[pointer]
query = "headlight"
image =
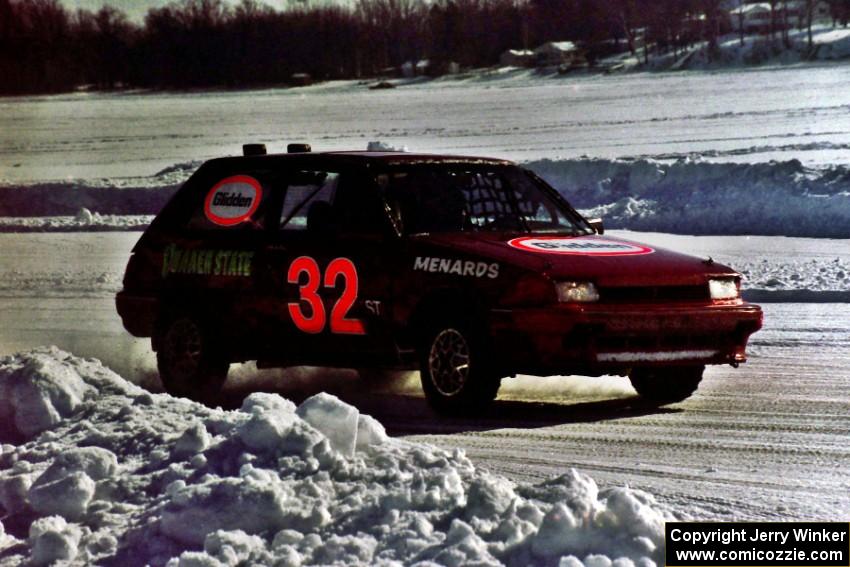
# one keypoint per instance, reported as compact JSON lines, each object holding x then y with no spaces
{"x":576,"y":292}
{"x":723,"y":289}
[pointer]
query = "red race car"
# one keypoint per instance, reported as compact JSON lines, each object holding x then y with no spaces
{"x":469,"y":269}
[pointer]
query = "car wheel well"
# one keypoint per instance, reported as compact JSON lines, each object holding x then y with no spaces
{"x":441,"y":303}
{"x":458,"y":372}
{"x":171,"y":308}
{"x":190,"y":361}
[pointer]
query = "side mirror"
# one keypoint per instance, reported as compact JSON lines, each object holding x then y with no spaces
{"x":596,"y":224}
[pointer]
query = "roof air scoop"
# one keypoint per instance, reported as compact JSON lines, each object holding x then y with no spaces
{"x":253,"y":149}
{"x":298,"y":148}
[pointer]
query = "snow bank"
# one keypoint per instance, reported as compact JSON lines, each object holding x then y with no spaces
{"x":107,"y":473}
{"x":115,"y":196}
{"x":691,"y":196}
{"x":83,"y":221}
{"x":688,"y":196}
{"x":379,"y":146}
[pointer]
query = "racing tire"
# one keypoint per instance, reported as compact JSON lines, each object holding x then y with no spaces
{"x":190,"y":363}
{"x":666,"y":384}
{"x":455,"y":368}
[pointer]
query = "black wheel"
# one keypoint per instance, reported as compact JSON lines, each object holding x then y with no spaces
{"x":666,"y":384}
{"x":189,"y":362}
{"x":454,"y":368}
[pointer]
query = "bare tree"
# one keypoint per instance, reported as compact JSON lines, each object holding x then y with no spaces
{"x":713,"y":10}
{"x":627,"y":16}
{"x":786,"y":26}
{"x":809,"y":17}
{"x":740,"y":15}
{"x":772,"y":27}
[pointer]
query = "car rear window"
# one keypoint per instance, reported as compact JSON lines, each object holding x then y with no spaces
{"x":307,"y":191}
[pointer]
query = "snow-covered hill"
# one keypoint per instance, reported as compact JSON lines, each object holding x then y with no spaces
{"x":828,"y":44}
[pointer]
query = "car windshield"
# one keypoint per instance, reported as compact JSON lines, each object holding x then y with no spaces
{"x":474,"y":199}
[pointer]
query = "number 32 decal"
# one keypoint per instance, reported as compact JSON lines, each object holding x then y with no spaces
{"x":314,"y":323}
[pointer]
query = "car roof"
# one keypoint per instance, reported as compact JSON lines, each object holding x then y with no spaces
{"x":406,"y":157}
{"x":356,"y":158}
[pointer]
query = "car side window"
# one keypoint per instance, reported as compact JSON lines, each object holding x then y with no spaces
{"x":475,"y":198}
{"x":308,"y":200}
{"x":487,"y":199}
{"x":232,"y":202}
{"x":359,"y":207}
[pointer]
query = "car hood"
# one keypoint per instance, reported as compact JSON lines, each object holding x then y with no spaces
{"x":605,"y":260}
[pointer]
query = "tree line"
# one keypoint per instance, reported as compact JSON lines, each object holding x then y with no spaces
{"x":44,"y":47}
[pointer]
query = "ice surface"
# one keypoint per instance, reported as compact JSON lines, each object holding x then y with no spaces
{"x":742,"y":115}
{"x":127,"y":477}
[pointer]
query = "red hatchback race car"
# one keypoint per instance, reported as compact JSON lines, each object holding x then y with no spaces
{"x":469,"y":269}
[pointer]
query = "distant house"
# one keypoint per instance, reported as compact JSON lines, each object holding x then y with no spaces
{"x":822,"y":13}
{"x":755,"y":16}
{"x":555,"y":53}
{"x":426,"y":67}
{"x":517,"y":58}
{"x":423,"y":67}
{"x":300,"y":79}
{"x":751,"y":17}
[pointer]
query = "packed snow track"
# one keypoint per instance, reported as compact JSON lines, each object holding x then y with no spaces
{"x":767,"y":441}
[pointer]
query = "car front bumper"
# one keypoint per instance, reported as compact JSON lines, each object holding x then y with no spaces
{"x":605,"y":338}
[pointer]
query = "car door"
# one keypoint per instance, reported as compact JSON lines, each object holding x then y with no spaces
{"x":208,"y":266}
{"x":325,"y":279}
